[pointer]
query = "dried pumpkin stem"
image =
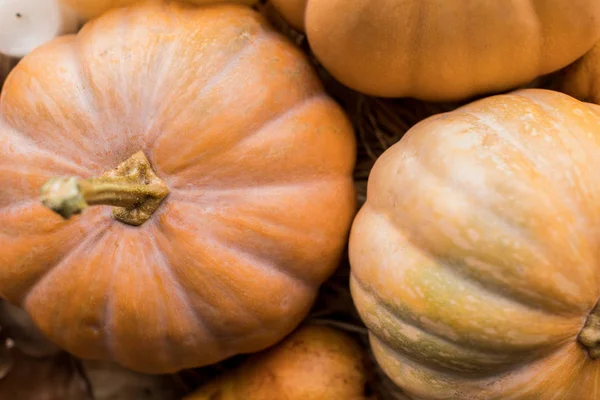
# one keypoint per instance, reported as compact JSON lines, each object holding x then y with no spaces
{"x":589,"y":336}
{"x":132,"y":188}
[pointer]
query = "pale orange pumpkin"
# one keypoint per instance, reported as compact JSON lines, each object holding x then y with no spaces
{"x":214,"y":110}
{"x":313,"y":363}
{"x":443,"y":50}
{"x":475,"y":258}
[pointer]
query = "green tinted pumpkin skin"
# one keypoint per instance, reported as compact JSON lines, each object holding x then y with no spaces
{"x":444,"y":50}
{"x":474,"y":260}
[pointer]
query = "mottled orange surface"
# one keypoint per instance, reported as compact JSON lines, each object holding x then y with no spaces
{"x":259,"y":165}
{"x":313,"y":363}
{"x":475,"y":260}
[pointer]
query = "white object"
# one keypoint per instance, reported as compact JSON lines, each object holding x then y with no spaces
{"x":27,"y":24}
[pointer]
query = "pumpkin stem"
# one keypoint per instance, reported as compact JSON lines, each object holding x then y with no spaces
{"x":589,"y":336}
{"x":132,"y":188}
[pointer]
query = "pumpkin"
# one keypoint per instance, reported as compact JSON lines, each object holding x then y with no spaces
{"x":582,"y":78}
{"x":444,"y":51}
{"x":88,"y":9}
{"x":203,"y":180}
{"x":315,"y":362}
{"x":474,"y":258}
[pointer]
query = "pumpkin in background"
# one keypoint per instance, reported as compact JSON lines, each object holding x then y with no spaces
{"x":228,"y":168}
{"x":475,"y":260}
{"x":444,"y":50}
{"x":87,"y":9}
{"x":582,"y":78}
{"x":315,"y":362}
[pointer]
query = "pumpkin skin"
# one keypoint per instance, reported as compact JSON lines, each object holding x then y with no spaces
{"x":582,"y":78}
{"x":474,"y":258}
{"x":257,"y":158}
{"x":88,"y":9}
{"x":445,"y":50}
{"x":314,"y":362}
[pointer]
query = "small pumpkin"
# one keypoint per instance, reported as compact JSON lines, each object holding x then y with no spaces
{"x":582,"y":78}
{"x":474,"y":261}
{"x":443,"y":51}
{"x":315,"y":362}
{"x":229,"y":173}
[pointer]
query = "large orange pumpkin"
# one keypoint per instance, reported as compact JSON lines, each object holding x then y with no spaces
{"x":444,"y":50}
{"x":475,"y":258}
{"x":210,"y":108}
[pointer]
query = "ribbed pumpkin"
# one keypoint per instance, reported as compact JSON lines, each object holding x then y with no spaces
{"x":444,"y":50}
{"x":475,"y":260}
{"x":229,"y":172}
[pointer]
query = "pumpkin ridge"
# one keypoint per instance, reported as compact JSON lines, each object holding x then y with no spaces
{"x":497,"y":287}
{"x":268,"y":264}
{"x":448,"y":384}
{"x":579,"y":209}
{"x":176,"y":280}
{"x":92,"y":237}
{"x":430,"y":347}
{"x":459,"y":340}
{"x":111,"y":336}
{"x":210,"y":84}
{"x":516,"y":384}
{"x":197,"y":319}
{"x":28,"y":142}
{"x":272,"y":120}
{"x":88,"y":89}
{"x":92,"y":231}
{"x":543,"y":176}
{"x":474,"y":374}
{"x":192,"y":195}
{"x":222,"y":287}
{"x":562,"y":124}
